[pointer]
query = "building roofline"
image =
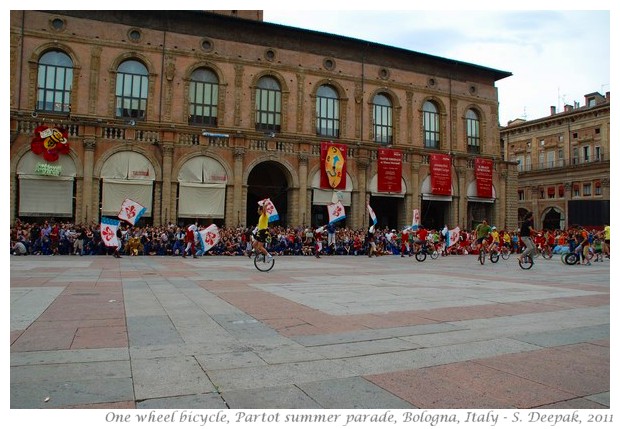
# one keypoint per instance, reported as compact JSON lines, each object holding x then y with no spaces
{"x":288,"y":37}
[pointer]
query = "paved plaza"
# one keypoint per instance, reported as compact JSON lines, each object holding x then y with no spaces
{"x":339,"y":332}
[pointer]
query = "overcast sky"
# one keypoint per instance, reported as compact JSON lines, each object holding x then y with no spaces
{"x":555,"y":56}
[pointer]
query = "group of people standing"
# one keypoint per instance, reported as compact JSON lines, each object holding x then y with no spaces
{"x":56,"y":238}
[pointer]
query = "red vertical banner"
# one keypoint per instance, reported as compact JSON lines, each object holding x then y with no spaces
{"x":441,"y":174}
{"x":389,"y":170}
{"x":484,"y":177}
{"x":334,"y":161}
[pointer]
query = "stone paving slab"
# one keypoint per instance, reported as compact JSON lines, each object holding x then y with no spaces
{"x":333,"y":333}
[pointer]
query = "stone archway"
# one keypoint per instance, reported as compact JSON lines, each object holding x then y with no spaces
{"x":553,"y":219}
{"x":268,"y":180}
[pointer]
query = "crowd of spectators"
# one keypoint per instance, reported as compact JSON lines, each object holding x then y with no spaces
{"x":64,"y":238}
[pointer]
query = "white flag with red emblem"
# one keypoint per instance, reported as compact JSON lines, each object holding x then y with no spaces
{"x":209,"y":236}
{"x":270,"y":209}
{"x":454,"y":235}
{"x":108,"y":231}
{"x":131,"y":211}
{"x":336,"y":212}
{"x":416,"y":220}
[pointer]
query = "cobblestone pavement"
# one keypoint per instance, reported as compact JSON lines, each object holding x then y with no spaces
{"x":337,"y":332}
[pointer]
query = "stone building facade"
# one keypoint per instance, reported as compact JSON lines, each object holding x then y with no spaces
{"x":563,"y":164}
{"x":199,"y":115}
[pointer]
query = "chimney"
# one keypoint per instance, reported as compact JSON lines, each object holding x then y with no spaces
{"x":568,"y":108}
{"x":607,"y":96}
{"x":552,"y":110}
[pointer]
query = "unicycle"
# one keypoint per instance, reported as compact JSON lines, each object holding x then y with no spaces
{"x":482,"y":256}
{"x":526,"y":263}
{"x":262,"y":263}
{"x":494,"y":256}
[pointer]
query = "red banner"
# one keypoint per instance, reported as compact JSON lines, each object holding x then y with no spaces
{"x":441,"y":174}
{"x":334,"y":161}
{"x":484,"y":177}
{"x":389,"y":170}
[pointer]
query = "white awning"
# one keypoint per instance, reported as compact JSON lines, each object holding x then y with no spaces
{"x":202,"y":200}
{"x":128,"y":165}
{"x":115,"y":191}
{"x":45,"y":196}
{"x":202,"y":188}
{"x":323,"y":197}
{"x":130,"y":175}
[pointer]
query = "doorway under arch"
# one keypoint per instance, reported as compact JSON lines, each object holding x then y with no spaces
{"x":268,"y":179}
{"x":552,"y":219}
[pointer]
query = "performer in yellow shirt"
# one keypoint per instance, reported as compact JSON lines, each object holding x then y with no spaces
{"x":262,"y":231}
{"x":494,"y":240}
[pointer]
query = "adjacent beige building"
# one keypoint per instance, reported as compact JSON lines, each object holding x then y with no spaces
{"x":198,"y":115}
{"x":563,"y":163}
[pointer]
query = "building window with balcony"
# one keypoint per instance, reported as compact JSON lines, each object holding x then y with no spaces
{"x":268,"y":105}
{"x":382,"y":119}
{"x":541,"y":159}
{"x":575,"y":156}
{"x":586,"y":154}
{"x":473,"y":131}
{"x":131,"y":90}
{"x":597,"y":188}
{"x":54,"y":82}
{"x":430,"y":121}
{"x":598,"y":153}
{"x":561,"y":191}
{"x":203,"y":97}
{"x":576,"y":190}
{"x":551,"y":192}
{"x":327,"y":112}
{"x":551,"y":159}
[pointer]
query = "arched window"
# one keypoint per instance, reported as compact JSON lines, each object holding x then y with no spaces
{"x":327,"y":112}
{"x":473,"y":131}
{"x":131,"y":90}
{"x":382,"y":119}
{"x":268,"y":104}
{"x":54,"y":81}
{"x":430,"y":121}
{"x":203,"y":97}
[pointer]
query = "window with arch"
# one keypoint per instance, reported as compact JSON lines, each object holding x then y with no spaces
{"x":327,"y":112}
{"x":382,"y":119}
{"x":268,"y":104}
{"x":430,"y":122}
{"x":473,"y":131}
{"x":54,"y":82}
{"x":132,"y":82}
{"x":203,"y":97}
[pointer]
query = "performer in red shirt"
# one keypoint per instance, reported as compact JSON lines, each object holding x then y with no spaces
{"x":190,"y":243}
{"x":404,"y":243}
{"x":318,"y":241}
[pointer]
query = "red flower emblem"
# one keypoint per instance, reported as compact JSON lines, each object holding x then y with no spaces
{"x":50,"y":142}
{"x":210,"y":238}
{"x":107,"y":233}
{"x":131,"y":211}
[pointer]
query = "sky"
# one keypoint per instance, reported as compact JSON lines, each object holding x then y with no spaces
{"x":555,"y":56}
